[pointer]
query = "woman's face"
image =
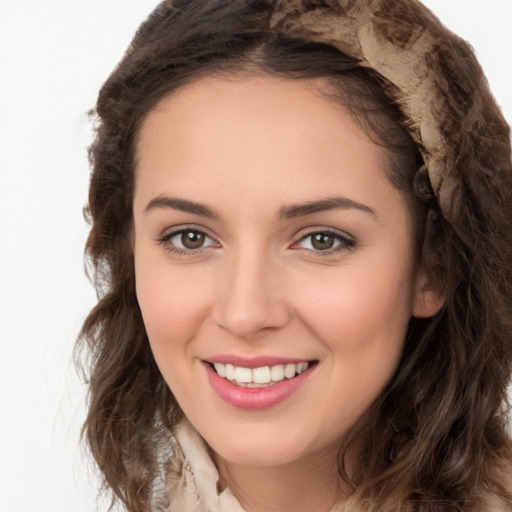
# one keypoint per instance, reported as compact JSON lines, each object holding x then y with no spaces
{"x":269,"y":243}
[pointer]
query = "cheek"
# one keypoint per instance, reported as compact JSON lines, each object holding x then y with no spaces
{"x":360,"y":315}
{"x":173,"y":305}
{"x":361,"y":320}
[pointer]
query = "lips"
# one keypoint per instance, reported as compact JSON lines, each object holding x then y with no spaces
{"x":256,"y":383}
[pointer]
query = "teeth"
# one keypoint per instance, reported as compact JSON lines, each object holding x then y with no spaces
{"x":230,"y":372}
{"x":277,"y":373}
{"x":259,"y":377}
{"x":290,"y":370}
{"x":243,"y":374}
{"x":220,"y":369}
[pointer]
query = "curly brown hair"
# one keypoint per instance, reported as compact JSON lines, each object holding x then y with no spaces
{"x":436,"y":438}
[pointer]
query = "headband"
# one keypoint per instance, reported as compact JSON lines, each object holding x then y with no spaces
{"x":436,"y":82}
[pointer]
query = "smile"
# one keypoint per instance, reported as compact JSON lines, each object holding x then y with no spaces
{"x":256,"y":386}
{"x":259,"y":377}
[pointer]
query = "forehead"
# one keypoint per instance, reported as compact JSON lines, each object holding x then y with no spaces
{"x":244,"y":104}
{"x":261,"y":132}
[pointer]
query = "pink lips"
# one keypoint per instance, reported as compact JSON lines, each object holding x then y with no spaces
{"x":254,"y":398}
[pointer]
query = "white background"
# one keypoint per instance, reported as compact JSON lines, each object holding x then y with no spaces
{"x":54,"y":56}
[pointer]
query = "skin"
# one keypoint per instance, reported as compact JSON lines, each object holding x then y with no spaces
{"x":246,"y":148}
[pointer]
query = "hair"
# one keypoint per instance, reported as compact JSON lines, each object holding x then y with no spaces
{"x":435,"y":439}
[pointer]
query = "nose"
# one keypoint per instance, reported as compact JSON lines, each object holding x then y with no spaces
{"x":250,"y":300}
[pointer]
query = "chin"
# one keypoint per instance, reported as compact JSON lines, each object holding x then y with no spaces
{"x":252,"y":455}
{"x":260,"y":445}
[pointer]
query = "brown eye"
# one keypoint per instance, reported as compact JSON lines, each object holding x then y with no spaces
{"x":192,"y":239}
{"x":322,"y":241}
{"x":326,"y":241}
{"x":187,"y":240}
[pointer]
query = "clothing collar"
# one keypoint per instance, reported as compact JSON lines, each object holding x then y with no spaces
{"x":192,"y":478}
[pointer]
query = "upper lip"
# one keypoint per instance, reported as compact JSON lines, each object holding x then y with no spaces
{"x":254,"y":362}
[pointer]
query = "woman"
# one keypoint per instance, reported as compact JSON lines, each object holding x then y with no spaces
{"x":301,"y":236}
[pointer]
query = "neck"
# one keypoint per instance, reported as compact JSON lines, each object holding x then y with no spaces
{"x":301,"y":486}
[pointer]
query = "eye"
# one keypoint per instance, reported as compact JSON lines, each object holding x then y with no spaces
{"x":187,"y":240}
{"x":325,"y":241}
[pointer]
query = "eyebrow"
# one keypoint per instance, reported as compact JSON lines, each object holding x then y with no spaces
{"x":329,"y":203}
{"x":180,"y":204}
{"x":286,"y":212}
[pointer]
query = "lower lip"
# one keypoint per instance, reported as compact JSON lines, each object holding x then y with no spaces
{"x":255,"y":398}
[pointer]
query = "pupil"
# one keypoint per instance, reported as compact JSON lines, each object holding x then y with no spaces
{"x":192,"y":239}
{"x":322,"y":242}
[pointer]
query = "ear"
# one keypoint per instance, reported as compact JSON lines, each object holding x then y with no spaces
{"x":428,"y":299}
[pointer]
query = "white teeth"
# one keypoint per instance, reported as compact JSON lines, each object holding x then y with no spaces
{"x":220,"y":369}
{"x":290,"y":370}
{"x":230,"y":372}
{"x":277,"y":373}
{"x":259,"y":377}
{"x":243,"y":374}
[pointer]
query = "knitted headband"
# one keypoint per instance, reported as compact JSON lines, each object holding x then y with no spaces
{"x":438,"y":83}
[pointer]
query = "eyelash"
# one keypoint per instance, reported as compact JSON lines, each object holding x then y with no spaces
{"x":344,"y":242}
{"x":165,"y":241}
